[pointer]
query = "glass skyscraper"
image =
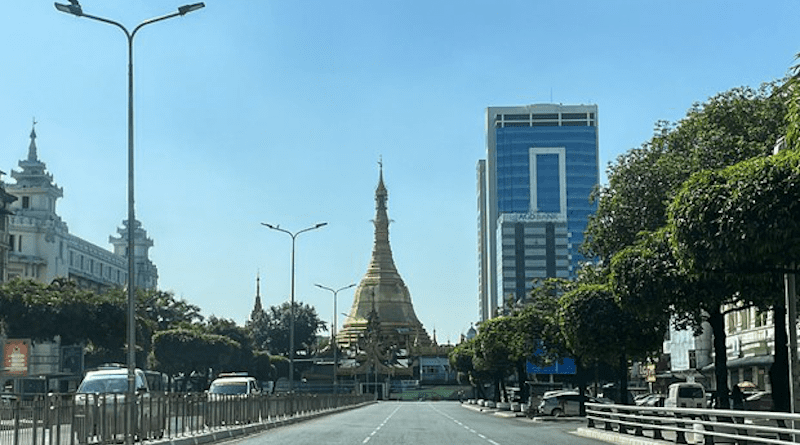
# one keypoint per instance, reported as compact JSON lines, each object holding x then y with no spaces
{"x":533,"y":197}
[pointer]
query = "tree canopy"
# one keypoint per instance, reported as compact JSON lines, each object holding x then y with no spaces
{"x":270,"y":329}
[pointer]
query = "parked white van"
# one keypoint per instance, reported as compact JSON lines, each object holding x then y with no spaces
{"x":686,"y":395}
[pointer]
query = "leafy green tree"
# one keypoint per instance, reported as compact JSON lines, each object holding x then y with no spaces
{"x":185,"y":351}
{"x":728,"y":128}
{"x":648,"y":279}
{"x":242,"y":358}
{"x":41,"y":312}
{"x":597,"y":329}
{"x":462,"y":361}
{"x":162,"y":310}
{"x":494,"y":352}
{"x":741,"y":222}
{"x":270,"y":330}
{"x":263,"y":369}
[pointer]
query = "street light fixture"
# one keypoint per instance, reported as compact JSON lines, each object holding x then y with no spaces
{"x":291,"y":307}
{"x":75,"y":9}
{"x":333,"y":330}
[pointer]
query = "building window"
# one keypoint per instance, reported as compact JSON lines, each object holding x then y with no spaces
{"x":26,"y":202}
{"x":692,"y":359}
{"x":11,"y":243}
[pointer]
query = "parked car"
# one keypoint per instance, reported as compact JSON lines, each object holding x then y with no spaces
{"x":651,"y":400}
{"x":234,"y":383}
{"x":760,"y":401}
{"x":8,"y":398}
{"x":685,"y":395}
{"x":101,"y":403}
{"x":565,"y":403}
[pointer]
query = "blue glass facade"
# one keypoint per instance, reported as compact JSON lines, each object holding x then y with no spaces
{"x":514,"y":188}
{"x":541,"y":167}
{"x":548,"y":183}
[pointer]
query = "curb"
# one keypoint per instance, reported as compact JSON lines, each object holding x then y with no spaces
{"x":612,"y":437}
{"x":248,"y":430}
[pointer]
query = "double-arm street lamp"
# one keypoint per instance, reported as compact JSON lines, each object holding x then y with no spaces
{"x":75,"y":9}
{"x":291,"y":307}
{"x":333,"y":330}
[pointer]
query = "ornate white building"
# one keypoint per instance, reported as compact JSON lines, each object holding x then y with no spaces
{"x":42,"y":249}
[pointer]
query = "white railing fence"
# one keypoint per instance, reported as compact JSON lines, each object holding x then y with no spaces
{"x":59,"y":420}
{"x":699,"y":426}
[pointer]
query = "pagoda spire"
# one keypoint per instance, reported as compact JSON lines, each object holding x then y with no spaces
{"x":257,"y":308}
{"x":382,"y":292}
{"x":382,"y":261}
{"x":32,"y":155}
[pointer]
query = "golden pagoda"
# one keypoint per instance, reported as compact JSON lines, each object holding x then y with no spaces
{"x":382,"y":293}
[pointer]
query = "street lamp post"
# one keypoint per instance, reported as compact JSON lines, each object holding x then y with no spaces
{"x":291,"y":307}
{"x":75,"y":9}
{"x":333,"y":331}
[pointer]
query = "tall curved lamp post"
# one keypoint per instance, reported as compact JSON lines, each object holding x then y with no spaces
{"x":75,"y":9}
{"x":333,"y":330}
{"x":291,"y":307}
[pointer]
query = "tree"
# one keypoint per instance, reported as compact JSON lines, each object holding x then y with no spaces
{"x":242,"y":358}
{"x":648,"y":278}
{"x":494,"y":352}
{"x":742,"y":222}
{"x":162,"y":310}
{"x":728,"y":128}
{"x":33,"y":310}
{"x":270,"y":330}
{"x":596,"y":329}
{"x":185,"y":351}
{"x":462,"y":359}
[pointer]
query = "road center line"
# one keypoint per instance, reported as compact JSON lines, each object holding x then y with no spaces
{"x":465,"y":426}
{"x":375,"y":431}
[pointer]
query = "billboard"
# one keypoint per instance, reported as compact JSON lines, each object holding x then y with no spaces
{"x":16,"y":355}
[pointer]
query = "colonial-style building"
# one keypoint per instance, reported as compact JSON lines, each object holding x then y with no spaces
{"x":5,"y":200}
{"x":41,"y":248}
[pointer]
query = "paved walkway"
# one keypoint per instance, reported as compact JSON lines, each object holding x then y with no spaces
{"x":581,"y":430}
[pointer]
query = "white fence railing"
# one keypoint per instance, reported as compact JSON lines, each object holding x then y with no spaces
{"x":61,"y":420}
{"x":699,"y":426}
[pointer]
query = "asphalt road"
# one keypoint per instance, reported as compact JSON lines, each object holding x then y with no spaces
{"x":435,"y":423}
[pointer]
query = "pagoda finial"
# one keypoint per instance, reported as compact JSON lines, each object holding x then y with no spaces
{"x":257,"y":308}
{"x":32,"y":156}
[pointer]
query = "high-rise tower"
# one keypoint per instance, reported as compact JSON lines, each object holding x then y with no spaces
{"x":382,"y":292}
{"x":534,"y":186}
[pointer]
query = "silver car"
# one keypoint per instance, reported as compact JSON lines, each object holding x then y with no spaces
{"x":101,"y":405}
{"x":563,"y":404}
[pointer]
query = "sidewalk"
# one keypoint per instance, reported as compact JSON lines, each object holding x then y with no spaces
{"x":582,"y":430}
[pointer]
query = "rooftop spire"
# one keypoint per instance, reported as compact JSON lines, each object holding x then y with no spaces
{"x":32,"y":156}
{"x":257,"y":308}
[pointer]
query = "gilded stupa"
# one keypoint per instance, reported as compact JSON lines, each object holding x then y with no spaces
{"x":382,"y":300}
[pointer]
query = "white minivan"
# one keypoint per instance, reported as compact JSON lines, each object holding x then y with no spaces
{"x":685,"y":395}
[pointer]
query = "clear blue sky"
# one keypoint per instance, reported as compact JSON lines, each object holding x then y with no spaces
{"x":278,"y":111}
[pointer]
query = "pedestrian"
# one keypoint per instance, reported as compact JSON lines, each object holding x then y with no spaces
{"x":738,"y":398}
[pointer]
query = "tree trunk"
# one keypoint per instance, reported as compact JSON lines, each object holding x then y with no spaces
{"x":779,"y":371}
{"x":522,"y":377}
{"x":580,"y":374}
{"x":717,"y":322}
{"x":623,"y":379}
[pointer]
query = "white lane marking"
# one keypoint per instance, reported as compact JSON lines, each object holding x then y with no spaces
{"x":465,"y":426}
{"x":381,"y":425}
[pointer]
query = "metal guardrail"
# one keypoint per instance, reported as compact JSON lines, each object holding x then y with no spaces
{"x":704,"y":426}
{"x":60,"y":420}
